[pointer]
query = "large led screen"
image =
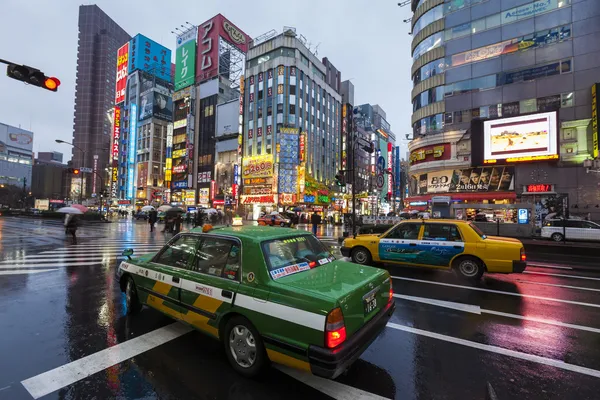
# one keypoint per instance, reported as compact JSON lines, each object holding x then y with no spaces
{"x":520,"y":139}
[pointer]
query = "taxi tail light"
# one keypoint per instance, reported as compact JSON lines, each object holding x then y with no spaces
{"x":335,"y":330}
{"x":523,"y":256}
{"x":312,"y":264}
{"x":391,"y":293}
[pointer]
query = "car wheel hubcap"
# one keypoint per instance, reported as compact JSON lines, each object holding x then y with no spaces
{"x":242,"y":346}
{"x":360,"y":257}
{"x":469,"y":268}
{"x":557,"y":238}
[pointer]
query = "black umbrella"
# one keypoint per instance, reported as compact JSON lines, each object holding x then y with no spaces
{"x":173,"y":212}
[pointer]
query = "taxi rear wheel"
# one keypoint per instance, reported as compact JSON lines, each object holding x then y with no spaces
{"x":282,"y":224}
{"x":244,"y":347}
{"x":132,"y":301}
{"x":469,"y":268}
{"x":557,"y":237}
{"x":362,"y":256}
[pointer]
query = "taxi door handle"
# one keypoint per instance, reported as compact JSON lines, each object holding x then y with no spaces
{"x":458,"y":247}
{"x":227,"y":294}
{"x":412,"y":244}
{"x":175,"y":279}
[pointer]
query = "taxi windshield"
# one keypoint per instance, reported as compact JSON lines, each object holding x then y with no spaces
{"x":294,"y":254}
{"x":477,"y":230}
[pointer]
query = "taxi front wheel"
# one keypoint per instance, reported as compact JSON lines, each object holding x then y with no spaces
{"x":131,"y":298}
{"x":362,"y":256}
{"x":469,"y":268}
{"x":244,"y":347}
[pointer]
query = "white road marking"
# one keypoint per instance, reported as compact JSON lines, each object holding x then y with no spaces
{"x":563,"y":275}
{"x":557,"y":285}
{"x":81,"y":251}
{"x":530,"y":296}
{"x":546,"y":265}
{"x":499,"y":350}
{"x":111,"y":253}
{"x":57,"y":264}
{"x":331,"y":388}
{"x":478,"y":310}
{"x":24,"y":272}
{"x":67,"y":374}
{"x":440,"y":303}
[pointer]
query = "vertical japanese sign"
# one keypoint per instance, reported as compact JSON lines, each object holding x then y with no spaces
{"x":236,"y":182}
{"x":390,"y":163}
{"x":122,"y":63}
{"x":115,"y":150}
{"x":94,"y":171}
{"x":595,"y":120}
{"x":147,"y":55}
{"x":185,"y":59}
{"x":132,"y":151}
{"x":241,"y":119}
{"x":169,"y":155}
{"x":302,"y":147}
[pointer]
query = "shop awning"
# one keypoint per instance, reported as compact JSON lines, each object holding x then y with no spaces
{"x":466,"y":196}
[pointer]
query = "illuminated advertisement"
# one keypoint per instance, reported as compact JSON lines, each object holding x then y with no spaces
{"x":236,"y":181}
{"x":168,"y":154}
{"x":595,"y":120}
{"x":122,"y":63}
{"x":157,"y":105}
{"x":478,"y":179}
{"x":241,"y":117}
{"x":302,"y":151}
{"x":132,"y":151}
{"x":203,"y":195}
{"x":390,"y":155}
{"x":436,"y":152}
{"x":520,"y":139}
{"x":115,"y":149}
{"x":208,"y":44}
{"x":185,"y":59}
{"x":149,"y":56}
{"x":262,"y":199}
{"x":257,"y":166}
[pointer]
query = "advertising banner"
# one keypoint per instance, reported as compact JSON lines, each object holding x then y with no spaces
{"x":528,"y":10}
{"x":132,"y":151}
{"x":595,"y":120}
{"x":479,"y":179}
{"x":142,"y":174}
{"x":257,"y":166}
{"x":157,"y":105}
{"x":263,"y":199}
{"x":208,"y":44}
{"x":149,"y":56}
{"x":185,"y":64}
{"x":520,"y":139}
{"x":122,"y":63}
{"x":17,"y":139}
{"x":436,"y":152}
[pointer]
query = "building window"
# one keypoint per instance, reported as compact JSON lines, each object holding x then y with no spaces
{"x":567,"y":99}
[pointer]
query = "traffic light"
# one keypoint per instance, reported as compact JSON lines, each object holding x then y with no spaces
{"x":32,"y":76}
{"x":74,"y":171}
{"x":339,"y":179}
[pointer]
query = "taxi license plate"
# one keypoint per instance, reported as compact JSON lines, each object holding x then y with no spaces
{"x":370,"y":301}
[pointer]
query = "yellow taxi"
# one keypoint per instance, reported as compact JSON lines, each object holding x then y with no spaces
{"x":442,"y":244}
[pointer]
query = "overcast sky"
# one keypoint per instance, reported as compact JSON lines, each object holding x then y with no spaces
{"x":369,"y":44}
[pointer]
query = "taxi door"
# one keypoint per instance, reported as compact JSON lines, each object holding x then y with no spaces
{"x":164,"y":275}
{"x":400,"y":245}
{"x":209,"y":286}
{"x":440,"y":242}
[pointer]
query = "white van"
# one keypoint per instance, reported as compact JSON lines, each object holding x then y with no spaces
{"x":573,"y":229}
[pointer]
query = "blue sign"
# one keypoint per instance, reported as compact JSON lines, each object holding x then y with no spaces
{"x":380,"y":163}
{"x":236,"y":174}
{"x":180,"y":184}
{"x":523,"y":216}
{"x":147,"y":55}
{"x":132,"y":149}
{"x":190,"y":208}
{"x":309,"y":198}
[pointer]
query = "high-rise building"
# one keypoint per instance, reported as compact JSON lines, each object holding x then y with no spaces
{"x":99,"y":39}
{"x":292,"y":125}
{"x":504,"y":107}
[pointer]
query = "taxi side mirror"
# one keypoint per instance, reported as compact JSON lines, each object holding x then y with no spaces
{"x":127,"y":253}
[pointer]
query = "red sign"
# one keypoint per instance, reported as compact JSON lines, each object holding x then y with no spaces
{"x":122,"y":62}
{"x":302,"y":152}
{"x":124,"y":201}
{"x":207,"y":65}
{"x":218,"y":202}
{"x":234,"y":191}
{"x":390,"y":149}
{"x":266,"y":199}
{"x":539,"y":188}
{"x":116,"y":133}
{"x":436,"y":152}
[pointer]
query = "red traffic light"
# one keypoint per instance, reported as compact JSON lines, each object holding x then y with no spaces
{"x":52,"y":83}
{"x":75,"y":171}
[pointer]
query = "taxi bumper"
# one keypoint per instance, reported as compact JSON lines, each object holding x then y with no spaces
{"x":331,"y":363}
{"x":346,"y":251}
{"x":519,"y":266}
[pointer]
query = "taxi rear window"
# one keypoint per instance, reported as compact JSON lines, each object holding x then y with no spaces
{"x":477,"y":230}
{"x":287,"y":256}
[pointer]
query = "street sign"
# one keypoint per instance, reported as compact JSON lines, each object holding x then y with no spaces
{"x":380,"y":164}
{"x":85,"y":169}
{"x":380,"y":181}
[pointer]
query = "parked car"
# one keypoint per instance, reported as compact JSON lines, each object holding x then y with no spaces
{"x":267,"y":294}
{"x":441,"y":244}
{"x":274,"y":220}
{"x":570,"y":229}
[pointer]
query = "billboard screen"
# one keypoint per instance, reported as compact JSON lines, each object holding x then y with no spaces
{"x":132,"y":150}
{"x":149,"y":56}
{"x":185,"y":59}
{"x":257,"y":166}
{"x":157,"y":105}
{"x":480,"y":179}
{"x":520,"y":139}
{"x":208,"y":44}
{"x":122,"y":63}
{"x":595,"y":146}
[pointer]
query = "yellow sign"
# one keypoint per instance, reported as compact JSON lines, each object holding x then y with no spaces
{"x":595,"y":120}
{"x":421,"y":154}
{"x":257,"y":166}
{"x":179,"y":153}
{"x":301,"y":178}
{"x":344,"y":112}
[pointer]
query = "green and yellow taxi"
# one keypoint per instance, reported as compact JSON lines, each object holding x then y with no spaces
{"x":268,"y":294}
{"x":442,"y":244}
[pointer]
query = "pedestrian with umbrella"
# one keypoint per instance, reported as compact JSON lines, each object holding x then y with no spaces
{"x":71,"y":220}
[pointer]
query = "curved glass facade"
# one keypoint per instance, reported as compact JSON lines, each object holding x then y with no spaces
{"x":431,"y":124}
{"x":429,"y":17}
{"x":429,"y":43}
{"x":428,"y":70}
{"x":427,"y":97}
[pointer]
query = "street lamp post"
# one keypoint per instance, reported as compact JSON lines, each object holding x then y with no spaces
{"x":82,"y":165}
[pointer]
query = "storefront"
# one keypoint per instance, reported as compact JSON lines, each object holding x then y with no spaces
{"x":254,"y":205}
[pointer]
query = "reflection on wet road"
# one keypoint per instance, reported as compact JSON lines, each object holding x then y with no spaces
{"x":65,"y":333}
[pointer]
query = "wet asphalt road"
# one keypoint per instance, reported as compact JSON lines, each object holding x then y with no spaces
{"x":529,"y":336}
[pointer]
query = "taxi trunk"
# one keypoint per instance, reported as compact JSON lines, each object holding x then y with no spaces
{"x":361,"y":292}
